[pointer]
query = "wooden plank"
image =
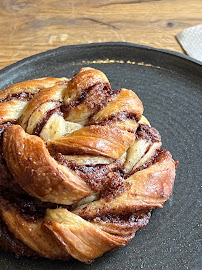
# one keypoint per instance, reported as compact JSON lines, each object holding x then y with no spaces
{"x":32,"y":26}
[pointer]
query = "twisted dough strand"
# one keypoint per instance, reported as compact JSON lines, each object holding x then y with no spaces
{"x":78,"y":142}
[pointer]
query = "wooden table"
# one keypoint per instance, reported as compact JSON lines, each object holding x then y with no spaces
{"x":32,"y":26}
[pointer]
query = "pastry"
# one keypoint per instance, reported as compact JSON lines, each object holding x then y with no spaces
{"x":80,"y":167}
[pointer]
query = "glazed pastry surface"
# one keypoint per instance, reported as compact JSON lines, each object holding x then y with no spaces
{"x":80,"y":167}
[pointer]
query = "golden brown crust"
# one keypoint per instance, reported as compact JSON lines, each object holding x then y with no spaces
{"x":37,"y":172}
{"x":31,"y":85}
{"x":125,"y":102}
{"x":97,"y":140}
{"x":86,"y":78}
{"x":80,"y":238}
{"x":31,"y":233}
{"x":35,"y":109}
{"x":13,"y":99}
{"x":78,"y":145}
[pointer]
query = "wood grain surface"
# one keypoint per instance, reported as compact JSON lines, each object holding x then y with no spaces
{"x":32,"y":26}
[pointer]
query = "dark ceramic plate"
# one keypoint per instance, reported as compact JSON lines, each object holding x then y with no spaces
{"x":170,"y":87}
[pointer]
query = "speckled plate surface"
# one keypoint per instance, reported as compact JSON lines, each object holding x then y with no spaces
{"x":170,"y":87}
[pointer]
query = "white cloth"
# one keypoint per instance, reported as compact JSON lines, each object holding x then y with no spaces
{"x":191,"y":41}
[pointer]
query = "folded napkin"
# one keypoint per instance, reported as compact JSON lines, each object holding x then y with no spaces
{"x":191,"y":41}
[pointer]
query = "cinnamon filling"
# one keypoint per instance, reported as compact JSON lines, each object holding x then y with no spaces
{"x":115,"y":186}
{"x":62,"y":82}
{"x":29,"y":208}
{"x":159,"y":154}
{"x":38,"y":128}
{"x":139,"y":218}
{"x":93,"y":175}
{"x":19,"y":96}
{"x":95,"y":98}
{"x":100,"y":98}
{"x":57,"y":104}
{"x":147,"y":133}
{"x":117,"y":117}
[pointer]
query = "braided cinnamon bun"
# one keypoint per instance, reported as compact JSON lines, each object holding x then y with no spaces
{"x":80,"y":167}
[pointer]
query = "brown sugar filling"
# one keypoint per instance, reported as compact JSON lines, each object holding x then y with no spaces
{"x":18,"y":96}
{"x":102,"y":89}
{"x":115,"y":186}
{"x":148,"y":133}
{"x":128,"y":219}
{"x":118,"y":116}
{"x":93,"y":175}
{"x":38,"y":128}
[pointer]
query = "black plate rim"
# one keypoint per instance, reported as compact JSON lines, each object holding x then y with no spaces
{"x":110,"y":44}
